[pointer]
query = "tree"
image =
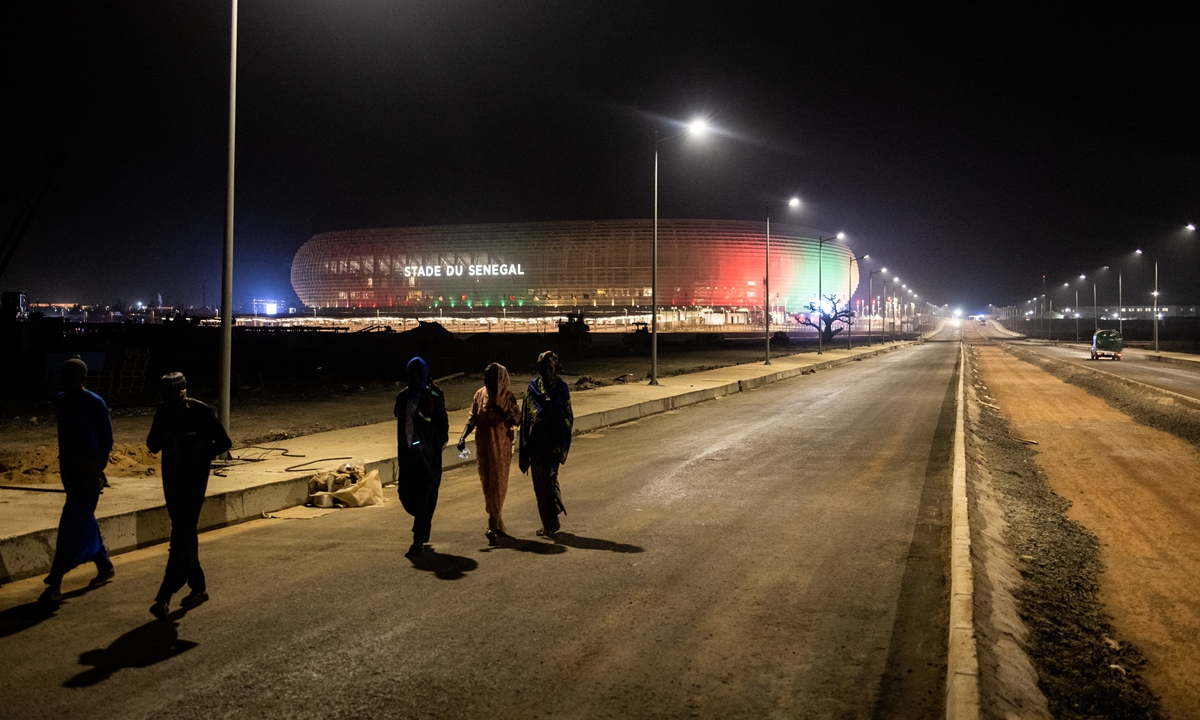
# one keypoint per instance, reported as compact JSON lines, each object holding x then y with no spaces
{"x":845,"y":315}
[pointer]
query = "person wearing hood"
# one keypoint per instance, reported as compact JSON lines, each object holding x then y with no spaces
{"x":422,"y":430}
{"x":494,"y":414}
{"x":546,"y":424}
{"x":189,"y":436}
{"x":84,"y":441}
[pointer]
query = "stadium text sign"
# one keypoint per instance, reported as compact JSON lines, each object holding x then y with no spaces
{"x":459,"y":270}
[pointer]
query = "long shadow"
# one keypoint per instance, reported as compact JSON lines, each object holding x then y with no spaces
{"x":509,"y":542}
{"x":444,"y":566}
{"x":586,"y":543}
{"x":20,"y":618}
{"x":152,"y":643}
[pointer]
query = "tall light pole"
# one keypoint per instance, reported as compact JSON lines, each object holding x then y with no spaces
{"x":1156,"y":307}
{"x":224,"y":367}
{"x":850,"y":292}
{"x":696,"y":127}
{"x":793,"y":203}
{"x":871,"y":289}
{"x":820,"y":289}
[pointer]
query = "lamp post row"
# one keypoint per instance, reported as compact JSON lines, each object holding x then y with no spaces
{"x":1190,"y":228}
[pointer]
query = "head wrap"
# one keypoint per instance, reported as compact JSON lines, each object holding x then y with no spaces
{"x":551,"y":357}
{"x":74,"y":367}
{"x":172,"y":382}
{"x":421,"y":370}
{"x":503,"y":398}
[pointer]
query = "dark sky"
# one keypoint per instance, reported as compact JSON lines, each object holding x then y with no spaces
{"x":969,"y":149}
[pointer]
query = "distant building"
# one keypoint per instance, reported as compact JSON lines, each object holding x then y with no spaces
{"x":604,"y":265}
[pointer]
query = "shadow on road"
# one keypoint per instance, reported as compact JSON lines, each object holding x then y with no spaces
{"x":508,"y":542}
{"x":22,"y":617}
{"x":586,"y":543}
{"x":444,"y":566}
{"x":152,"y":643}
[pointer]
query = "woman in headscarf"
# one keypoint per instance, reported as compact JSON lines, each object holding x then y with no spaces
{"x":546,"y":423}
{"x":494,"y":414}
{"x":422,"y":430}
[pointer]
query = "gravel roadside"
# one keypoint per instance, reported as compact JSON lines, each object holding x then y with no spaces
{"x":1035,"y":560}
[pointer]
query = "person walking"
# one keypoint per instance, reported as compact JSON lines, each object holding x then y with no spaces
{"x":84,"y":442}
{"x":189,"y":436}
{"x":494,"y":414}
{"x":422,"y":430}
{"x":546,"y":424}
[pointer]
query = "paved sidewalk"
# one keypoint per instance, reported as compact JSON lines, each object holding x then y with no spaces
{"x":132,"y":514}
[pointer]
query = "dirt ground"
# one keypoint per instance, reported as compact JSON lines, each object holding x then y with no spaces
{"x":28,"y":436}
{"x":1136,"y":490}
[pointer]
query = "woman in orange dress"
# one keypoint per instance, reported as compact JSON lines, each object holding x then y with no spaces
{"x":494,"y":414}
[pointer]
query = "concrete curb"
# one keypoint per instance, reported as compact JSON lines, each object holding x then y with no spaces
{"x":962,"y":662}
{"x":32,"y":553}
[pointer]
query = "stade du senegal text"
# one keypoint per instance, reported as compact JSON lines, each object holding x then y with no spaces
{"x":456,"y":270}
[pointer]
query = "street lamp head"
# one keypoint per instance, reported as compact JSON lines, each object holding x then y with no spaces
{"x":1138,"y":251}
{"x":698,"y":127}
{"x":865,"y":257}
{"x":841,"y":236}
{"x":1190,"y":227}
{"x":794,"y":202}
{"x":1066,"y":284}
{"x":1083,"y":277}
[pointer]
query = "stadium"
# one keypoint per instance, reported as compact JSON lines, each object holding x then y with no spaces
{"x":602,"y":267}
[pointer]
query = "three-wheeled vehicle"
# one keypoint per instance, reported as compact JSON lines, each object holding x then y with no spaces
{"x":1107,"y":343}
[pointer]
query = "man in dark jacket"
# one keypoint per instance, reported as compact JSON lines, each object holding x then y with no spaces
{"x":189,"y":436}
{"x":84,"y":441}
{"x":547,"y":422}
{"x":422,"y":430}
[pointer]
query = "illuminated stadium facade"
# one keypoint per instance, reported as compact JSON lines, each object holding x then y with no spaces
{"x":601,"y":266}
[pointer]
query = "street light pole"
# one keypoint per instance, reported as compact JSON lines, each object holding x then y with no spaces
{"x":820,"y":289}
{"x":1156,"y":307}
{"x":794,"y":202}
{"x":225,"y":364}
{"x":697,"y":126}
{"x":850,"y":293}
{"x":871,"y":290}
{"x":1120,"y":305}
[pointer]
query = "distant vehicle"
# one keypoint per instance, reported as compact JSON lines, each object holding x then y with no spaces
{"x":1107,"y":343}
{"x":639,"y":338}
{"x":982,"y":321}
{"x":575,"y":331}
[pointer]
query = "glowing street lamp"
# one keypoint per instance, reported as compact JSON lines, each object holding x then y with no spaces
{"x":697,"y":127}
{"x":793,"y":203}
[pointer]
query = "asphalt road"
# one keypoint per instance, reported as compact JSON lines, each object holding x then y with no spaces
{"x":1133,"y":365}
{"x":780,"y":553}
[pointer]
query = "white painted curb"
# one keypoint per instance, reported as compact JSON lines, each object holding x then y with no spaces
{"x":962,"y":662}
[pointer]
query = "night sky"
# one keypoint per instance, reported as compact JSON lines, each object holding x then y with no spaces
{"x":970,"y":150}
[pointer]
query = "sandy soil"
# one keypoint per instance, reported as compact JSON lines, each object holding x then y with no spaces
{"x":1138,"y":490}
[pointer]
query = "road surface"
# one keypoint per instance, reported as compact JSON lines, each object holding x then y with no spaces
{"x":779,"y":553}
{"x":1134,"y":365}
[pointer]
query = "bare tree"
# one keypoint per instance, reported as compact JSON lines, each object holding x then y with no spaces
{"x":825,"y":320}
